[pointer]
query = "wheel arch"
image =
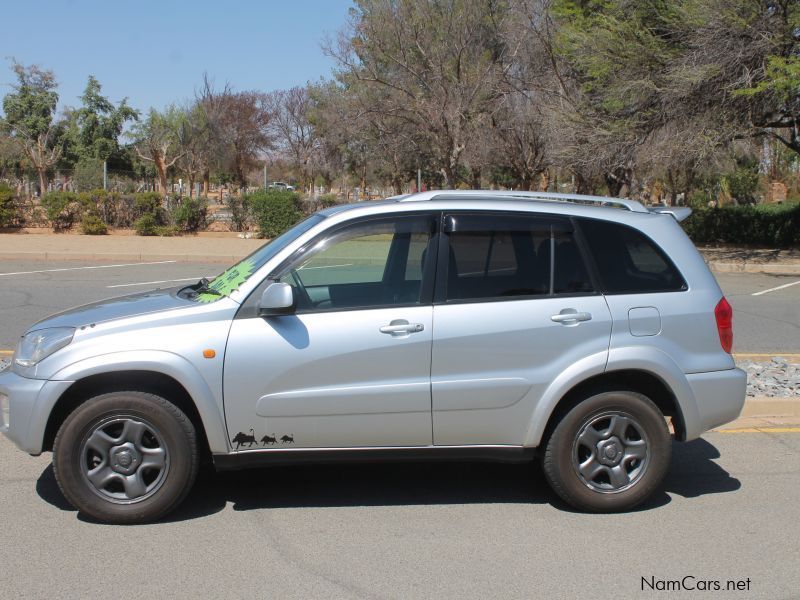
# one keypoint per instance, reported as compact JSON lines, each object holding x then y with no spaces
{"x":629,"y":380}
{"x":165,"y":374}
{"x":151,"y":382}
{"x":642,"y":369}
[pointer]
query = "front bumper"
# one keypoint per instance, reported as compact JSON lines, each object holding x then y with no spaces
{"x":29,"y":403}
{"x":719,"y":396}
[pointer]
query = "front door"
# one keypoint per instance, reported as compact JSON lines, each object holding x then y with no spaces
{"x":515,"y":308}
{"x":351,"y":367}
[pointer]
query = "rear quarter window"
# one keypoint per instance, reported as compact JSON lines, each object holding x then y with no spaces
{"x":628,"y":261}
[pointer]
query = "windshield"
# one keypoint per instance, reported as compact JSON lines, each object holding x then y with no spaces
{"x":230,"y":280}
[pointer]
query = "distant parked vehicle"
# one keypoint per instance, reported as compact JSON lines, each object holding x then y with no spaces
{"x":280,"y":185}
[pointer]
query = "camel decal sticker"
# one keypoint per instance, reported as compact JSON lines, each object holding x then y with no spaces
{"x":240,"y":439}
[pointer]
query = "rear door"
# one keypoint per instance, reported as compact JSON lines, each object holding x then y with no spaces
{"x":515,"y":306}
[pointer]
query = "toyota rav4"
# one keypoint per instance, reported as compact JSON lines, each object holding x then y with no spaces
{"x":586,"y":332}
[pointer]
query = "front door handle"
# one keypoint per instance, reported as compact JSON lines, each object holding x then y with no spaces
{"x":400,"y":327}
{"x":570,"y":316}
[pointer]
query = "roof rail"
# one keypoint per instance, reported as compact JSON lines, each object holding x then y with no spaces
{"x":631,"y":205}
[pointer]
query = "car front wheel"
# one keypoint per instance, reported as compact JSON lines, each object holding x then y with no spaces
{"x":608,"y":453}
{"x":125,"y":457}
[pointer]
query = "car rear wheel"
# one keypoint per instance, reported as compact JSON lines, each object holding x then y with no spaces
{"x":608,"y":453}
{"x":125,"y":457}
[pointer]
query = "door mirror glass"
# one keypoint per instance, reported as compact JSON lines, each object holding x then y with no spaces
{"x":277,"y":299}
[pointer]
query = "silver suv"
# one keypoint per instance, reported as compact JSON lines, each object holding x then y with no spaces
{"x":580,"y":330}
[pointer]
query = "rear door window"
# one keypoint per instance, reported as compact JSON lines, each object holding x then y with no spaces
{"x":494,"y":256}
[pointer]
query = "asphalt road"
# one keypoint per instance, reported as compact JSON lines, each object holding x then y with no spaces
{"x":727,"y":511}
{"x":768,"y":323}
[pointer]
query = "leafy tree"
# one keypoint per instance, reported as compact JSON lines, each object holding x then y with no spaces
{"x":100,"y":123}
{"x":160,"y":139}
{"x":692,"y":74}
{"x":779,"y":93}
{"x":30,"y":117}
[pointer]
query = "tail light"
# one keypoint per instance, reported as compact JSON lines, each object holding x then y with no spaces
{"x":724,"y":315}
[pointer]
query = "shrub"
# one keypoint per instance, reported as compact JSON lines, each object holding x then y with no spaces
{"x":88,"y":174}
{"x":10,"y":211}
{"x":146,"y":225}
{"x":167,"y":230}
{"x":328,"y":200}
{"x":62,"y":209}
{"x":146,"y":203}
{"x":93,"y":225}
{"x":763,"y":225}
{"x":190,"y":214}
{"x":275,"y":211}
{"x":241,"y":211}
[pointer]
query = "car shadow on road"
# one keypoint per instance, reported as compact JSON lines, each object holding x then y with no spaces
{"x":692,"y":473}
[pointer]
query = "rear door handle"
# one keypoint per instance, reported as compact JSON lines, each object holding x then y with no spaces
{"x":570,"y":316}
{"x":402,"y":327}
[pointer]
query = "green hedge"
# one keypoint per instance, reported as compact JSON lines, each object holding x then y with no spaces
{"x":10,"y":213}
{"x":62,"y":209}
{"x":275,"y":211}
{"x":773,"y":225}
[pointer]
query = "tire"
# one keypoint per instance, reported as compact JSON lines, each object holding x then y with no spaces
{"x":608,"y":453}
{"x":126,"y":457}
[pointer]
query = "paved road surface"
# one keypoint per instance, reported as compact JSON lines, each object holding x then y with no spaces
{"x":766,"y":323}
{"x":728,"y":510}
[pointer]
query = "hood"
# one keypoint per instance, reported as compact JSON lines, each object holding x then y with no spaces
{"x":115,"y":308}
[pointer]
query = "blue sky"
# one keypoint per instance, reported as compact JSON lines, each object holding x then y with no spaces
{"x":155,"y":52}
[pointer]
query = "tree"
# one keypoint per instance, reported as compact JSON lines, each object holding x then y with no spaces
{"x":243,"y":128}
{"x":100,"y":123}
{"x":160,"y":139}
{"x":197,"y":144}
{"x":30,"y":117}
{"x":634,"y":75}
{"x":520,"y":140}
{"x":438,"y":62}
{"x":294,"y":135}
{"x":12,"y":160}
{"x":210,"y":148}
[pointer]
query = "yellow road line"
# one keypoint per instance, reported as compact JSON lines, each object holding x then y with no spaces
{"x":761,"y":430}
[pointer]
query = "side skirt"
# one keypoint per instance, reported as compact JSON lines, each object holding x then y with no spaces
{"x":263,"y":458}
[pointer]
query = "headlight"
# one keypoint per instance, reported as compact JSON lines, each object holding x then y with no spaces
{"x":37,"y":345}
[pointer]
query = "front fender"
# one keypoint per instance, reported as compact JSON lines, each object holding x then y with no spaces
{"x":167,"y":363}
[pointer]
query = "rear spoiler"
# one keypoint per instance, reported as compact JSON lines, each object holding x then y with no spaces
{"x":679,"y":212}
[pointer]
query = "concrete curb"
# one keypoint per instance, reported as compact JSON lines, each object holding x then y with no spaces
{"x":766,"y":413}
{"x":754,"y":267}
{"x":762,"y":405}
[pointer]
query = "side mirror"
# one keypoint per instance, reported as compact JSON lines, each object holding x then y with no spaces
{"x":277,"y":299}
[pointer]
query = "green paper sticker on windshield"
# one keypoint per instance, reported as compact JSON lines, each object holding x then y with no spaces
{"x":229,"y":281}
